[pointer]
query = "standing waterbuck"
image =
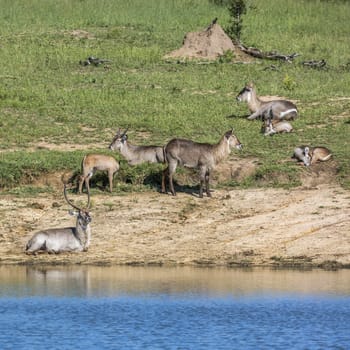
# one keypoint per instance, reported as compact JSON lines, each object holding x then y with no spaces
{"x":310,"y":155}
{"x":69,"y":239}
{"x":281,"y":109}
{"x":93,"y":162}
{"x":136,"y":154}
{"x":201,"y":156}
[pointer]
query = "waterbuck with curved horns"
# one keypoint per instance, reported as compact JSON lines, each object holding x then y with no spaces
{"x":201,"y":156}
{"x":136,"y":154}
{"x":281,"y":109}
{"x":69,"y":239}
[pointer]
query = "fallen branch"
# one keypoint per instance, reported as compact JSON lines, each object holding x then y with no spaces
{"x":315,"y":64}
{"x":93,"y":60}
{"x":272,"y":55}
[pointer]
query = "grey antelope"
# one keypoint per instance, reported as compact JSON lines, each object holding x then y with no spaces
{"x":93,"y":162}
{"x":201,"y":156}
{"x":69,"y":239}
{"x":136,"y":154}
{"x":310,"y":155}
{"x":281,"y":109}
{"x":272,"y":126}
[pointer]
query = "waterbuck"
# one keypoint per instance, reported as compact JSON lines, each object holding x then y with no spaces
{"x":69,"y":239}
{"x":271,"y":127}
{"x":93,"y":162}
{"x":201,"y":156}
{"x":281,"y":109}
{"x":310,"y":155}
{"x":136,"y":154}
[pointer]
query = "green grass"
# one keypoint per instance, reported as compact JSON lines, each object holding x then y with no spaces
{"x":46,"y":95}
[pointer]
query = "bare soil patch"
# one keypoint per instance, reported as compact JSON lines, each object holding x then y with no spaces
{"x":303,"y":227}
{"x":43,"y":145}
{"x":81,"y":34}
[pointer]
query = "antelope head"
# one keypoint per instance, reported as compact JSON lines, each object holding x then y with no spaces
{"x":307,"y":156}
{"x":119,"y":140}
{"x":232,"y":140}
{"x":246,"y":93}
{"x":83,"y":215}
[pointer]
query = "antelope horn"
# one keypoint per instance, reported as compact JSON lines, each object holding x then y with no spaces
{"x":88,"y":203}
{"x":270,"y":113}
{"x":68,"y":201}
{"x":124,"y":133}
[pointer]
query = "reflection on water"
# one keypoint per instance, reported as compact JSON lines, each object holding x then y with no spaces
{"x":112,"y":281}
{"x":173,"y":308}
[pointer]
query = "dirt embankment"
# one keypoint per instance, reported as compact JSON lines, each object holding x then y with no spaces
{"x":306,"y":226}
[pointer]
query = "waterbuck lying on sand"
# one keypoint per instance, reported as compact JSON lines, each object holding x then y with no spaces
{"x":281,"y":109}
{"x":69,"y":239}
{"x":136,"y":154}
{"x":310,"y":155}
{"x":93,"y":162}
{"x":201,"y":156}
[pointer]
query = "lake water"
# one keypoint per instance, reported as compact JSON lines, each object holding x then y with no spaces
{"x":173,"y":308}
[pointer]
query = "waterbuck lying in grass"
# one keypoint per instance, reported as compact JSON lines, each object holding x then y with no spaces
{"x":136,"y":154}
{"x":274,"y":126}
{"x":93,"y":162}
{"x":201,"y":156}
{"x":310,"y":155}
{"x":69,"y":239}
{"x":281,"y":109}
{"x":271,"y":127}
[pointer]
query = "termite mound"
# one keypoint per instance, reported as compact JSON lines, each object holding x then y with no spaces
{"x":208,"y":44}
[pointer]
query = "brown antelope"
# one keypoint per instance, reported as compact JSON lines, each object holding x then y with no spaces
{"x":202,"y":156}
{"x":310,"y":155}
{"x":136,"y":154}
{"x":281,"y":109}
{"x":69,"y":239}
{"x":93,"y":162}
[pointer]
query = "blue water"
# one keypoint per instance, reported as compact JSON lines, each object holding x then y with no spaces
{"x":182,"y":318}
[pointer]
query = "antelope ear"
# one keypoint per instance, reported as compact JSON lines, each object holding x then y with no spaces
{"x":250,"y":85}
{"x":228,"y":134}
{"x":306,"y":150}
{"x":73,"y":213}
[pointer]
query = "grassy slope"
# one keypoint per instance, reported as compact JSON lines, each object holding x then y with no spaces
{"x":46,"y":95}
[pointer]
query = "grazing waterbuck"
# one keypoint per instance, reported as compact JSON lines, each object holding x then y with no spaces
{"x":136,"y":154}
{"x":281,"y":109}
{"x":201,"y":156}
{"x":93,"y":162}
{"x":69,"y":239}
{"x":310,"y":155}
